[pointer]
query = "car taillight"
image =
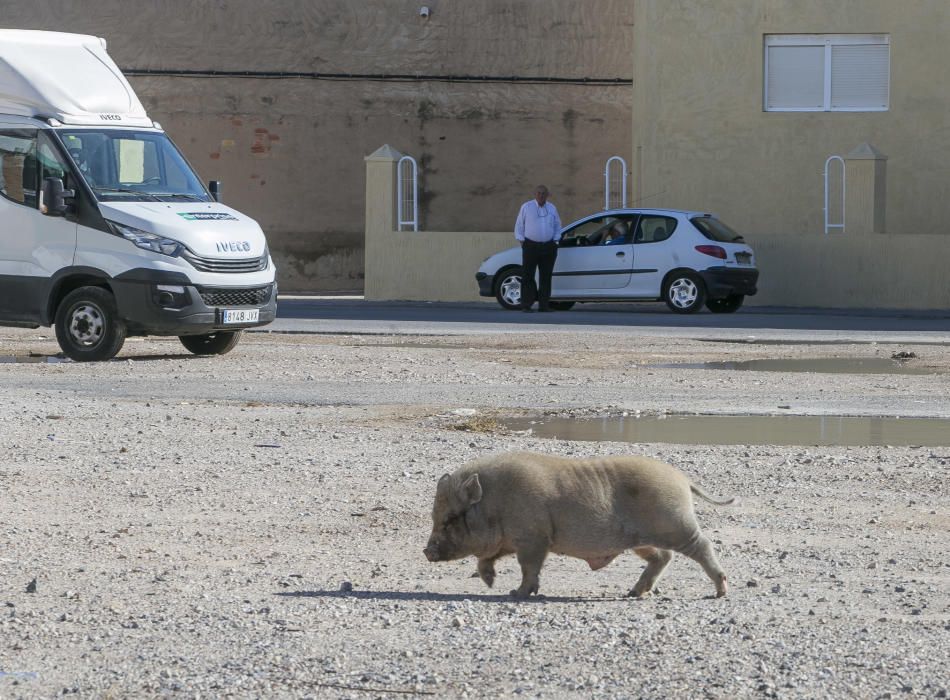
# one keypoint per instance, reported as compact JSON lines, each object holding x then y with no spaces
{"x":713,"y":250}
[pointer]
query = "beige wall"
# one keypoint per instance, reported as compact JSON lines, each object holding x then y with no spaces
{"x":702,"y":140}
{"x":844,"y":271}
{"x":290,"y":151}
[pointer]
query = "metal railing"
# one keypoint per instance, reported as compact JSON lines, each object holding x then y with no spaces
{"x":828,"y":224}
{"x":407,"y":193}
{"x":615,"y":197}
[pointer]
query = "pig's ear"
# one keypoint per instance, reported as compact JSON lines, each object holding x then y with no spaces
{"x":472,"y":490}
{"x":443,"y":478}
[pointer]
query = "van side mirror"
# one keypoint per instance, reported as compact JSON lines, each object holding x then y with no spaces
{"x":54,"y":198}
{"x":214,"y":187}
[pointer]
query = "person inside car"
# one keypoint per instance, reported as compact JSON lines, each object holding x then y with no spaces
{"x":616,"y":234}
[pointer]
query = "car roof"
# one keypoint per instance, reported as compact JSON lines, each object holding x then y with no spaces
{"x":653,"y":210}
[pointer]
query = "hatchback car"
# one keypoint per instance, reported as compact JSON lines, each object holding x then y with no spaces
{"x":687,"y":259}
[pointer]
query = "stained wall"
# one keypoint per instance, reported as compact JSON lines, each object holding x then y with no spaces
{"x":289,"y":148}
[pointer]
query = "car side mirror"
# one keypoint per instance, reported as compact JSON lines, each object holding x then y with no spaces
{"x":214,"y":187}
{"x":54,"y":196}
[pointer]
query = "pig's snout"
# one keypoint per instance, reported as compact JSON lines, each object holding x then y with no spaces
{"x":431,"y":552}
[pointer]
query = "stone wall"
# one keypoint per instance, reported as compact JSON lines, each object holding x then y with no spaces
{"x":290,"y":150}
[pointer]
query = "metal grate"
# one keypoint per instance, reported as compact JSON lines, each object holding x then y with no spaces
{"x":252,"y":296}
{"x":407,"y":193}
{"x":226,"y":265}
{"x":615,"y":194}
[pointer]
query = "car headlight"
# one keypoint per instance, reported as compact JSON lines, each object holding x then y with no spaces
{"x":146,"y":240}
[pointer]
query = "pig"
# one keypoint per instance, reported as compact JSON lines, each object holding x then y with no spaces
{"x":530,"y":504}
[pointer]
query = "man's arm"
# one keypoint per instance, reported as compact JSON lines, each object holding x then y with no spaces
{"x":557,"y":224}
{"x":519,"y":225}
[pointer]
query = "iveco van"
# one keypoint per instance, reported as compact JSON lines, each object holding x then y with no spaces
{"x":105,"y":229}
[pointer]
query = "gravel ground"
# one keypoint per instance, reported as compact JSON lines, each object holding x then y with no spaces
{"x":253,"y":525}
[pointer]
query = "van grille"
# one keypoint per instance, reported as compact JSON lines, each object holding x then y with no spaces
{"x":226,"y":265}
{"x":251,"y":296}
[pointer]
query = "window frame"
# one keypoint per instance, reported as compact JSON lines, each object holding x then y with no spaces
{"x":828,"y":42}
{"x":31,"y":134}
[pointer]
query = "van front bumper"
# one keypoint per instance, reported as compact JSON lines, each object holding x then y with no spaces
{"x":170,"y":304}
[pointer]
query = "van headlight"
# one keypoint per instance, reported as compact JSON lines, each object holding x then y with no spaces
{"x":146,"y":240}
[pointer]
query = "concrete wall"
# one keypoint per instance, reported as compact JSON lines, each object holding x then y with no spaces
{"x":702,"y":140}
{"x":290,"y":151}
{"x":836,"y":271}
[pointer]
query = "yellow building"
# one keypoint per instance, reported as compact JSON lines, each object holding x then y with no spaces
{"x":738,"y":105}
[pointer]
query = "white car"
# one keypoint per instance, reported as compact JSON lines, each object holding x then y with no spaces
{"x":684,"y":258}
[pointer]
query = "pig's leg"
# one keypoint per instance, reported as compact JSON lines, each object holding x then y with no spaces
{"x":700,"y":549}
{"x":486,"y":570}
{"x":531,"y":558}
{"x":657,"y":560}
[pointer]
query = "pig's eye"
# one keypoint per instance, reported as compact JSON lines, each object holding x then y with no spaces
{"x":451,"y":519}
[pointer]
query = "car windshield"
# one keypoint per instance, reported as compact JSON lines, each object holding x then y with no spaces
{"x":715,"y":230}
{"x":124,"y":165}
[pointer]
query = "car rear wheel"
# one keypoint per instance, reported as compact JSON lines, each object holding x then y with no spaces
{"x":726,"y":305}
{"x":211,"y":343}
{"x":508,"y":288}
{"x":684,"y":293}
{"x":88,"y":326}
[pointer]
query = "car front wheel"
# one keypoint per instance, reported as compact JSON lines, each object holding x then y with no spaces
{"x":508,"y":289}
{"x":726,"y":305}
{"x":88,"y":326}
{"x":684,"y":293}
{"x":211,"y":343}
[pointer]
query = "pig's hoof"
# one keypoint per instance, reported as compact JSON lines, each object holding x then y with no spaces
{"x":523,"y":594}
{"x":488,"y":577}
{"x":640,"y":595}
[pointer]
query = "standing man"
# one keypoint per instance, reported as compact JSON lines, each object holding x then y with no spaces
{"x":538,"y":229}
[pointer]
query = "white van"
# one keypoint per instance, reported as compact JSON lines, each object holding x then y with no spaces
{"x":105,"y":229}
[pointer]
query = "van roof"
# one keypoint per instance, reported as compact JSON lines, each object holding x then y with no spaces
{"x":66,"y":76}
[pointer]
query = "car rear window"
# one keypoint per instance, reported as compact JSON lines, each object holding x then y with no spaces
{"x":715,"y":230}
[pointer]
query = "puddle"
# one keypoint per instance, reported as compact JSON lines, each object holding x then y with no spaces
{"x":410,"y":344}
{"x":32,"y":359}
{"x":745,"y":430}
{"x":820,"y":365}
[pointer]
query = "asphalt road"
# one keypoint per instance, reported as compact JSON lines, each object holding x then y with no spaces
{"x":754,"y":324}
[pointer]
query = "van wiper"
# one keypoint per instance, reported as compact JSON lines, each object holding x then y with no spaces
{"x":123,"y":190}
{"x":186,"y":195}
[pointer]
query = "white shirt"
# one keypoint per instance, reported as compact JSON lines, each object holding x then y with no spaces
{"x":538,"y":223}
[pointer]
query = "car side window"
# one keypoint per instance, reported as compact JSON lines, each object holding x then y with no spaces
{"x":654,"y":228}
{"x":18,"y":166}
{"x":581,"y":234}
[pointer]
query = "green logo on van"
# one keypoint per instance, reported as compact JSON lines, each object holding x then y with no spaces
{"x":206,"y":216}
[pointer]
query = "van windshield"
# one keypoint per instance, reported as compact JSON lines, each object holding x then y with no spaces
{"x":137,"y":166}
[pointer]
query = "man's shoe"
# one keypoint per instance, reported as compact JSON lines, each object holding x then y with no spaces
{"x":527,"y":309}
{"x":545,"y":309}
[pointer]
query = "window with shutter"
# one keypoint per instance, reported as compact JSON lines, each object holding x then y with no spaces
{"x":827,"y":73}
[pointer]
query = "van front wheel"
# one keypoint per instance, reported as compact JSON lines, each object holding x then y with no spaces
{"x":88,"y":326}
{"x":211,"y":343}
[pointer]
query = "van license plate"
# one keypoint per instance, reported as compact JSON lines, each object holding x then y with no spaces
{"x":241,"y":315}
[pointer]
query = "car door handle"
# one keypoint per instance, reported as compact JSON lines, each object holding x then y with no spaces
{"x":620,"y":254}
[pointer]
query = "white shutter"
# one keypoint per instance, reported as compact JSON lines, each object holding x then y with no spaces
{"x":859,"y":77}
{"x":796,"y":78}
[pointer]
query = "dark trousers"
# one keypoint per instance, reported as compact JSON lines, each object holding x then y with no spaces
{"x":540,"y":257}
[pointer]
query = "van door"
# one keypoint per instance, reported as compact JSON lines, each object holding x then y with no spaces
{"x":33,"y":246}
